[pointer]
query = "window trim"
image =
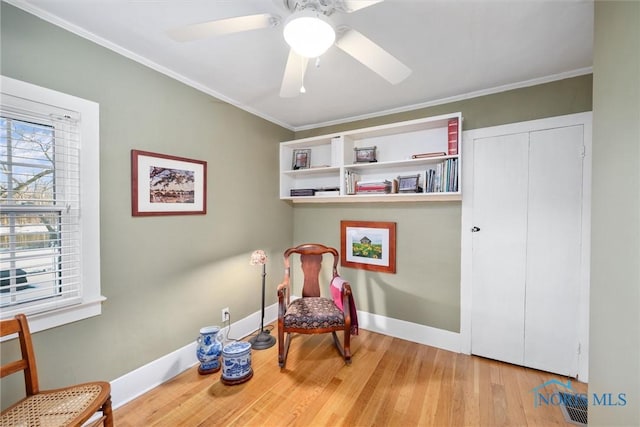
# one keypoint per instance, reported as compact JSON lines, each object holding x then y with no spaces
{"x":91,"y":303}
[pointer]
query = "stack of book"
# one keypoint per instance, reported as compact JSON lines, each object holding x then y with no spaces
{"x":297,"y":192}
{"x":350,"y":180}
{"x":452,"y":130}
{"x":321,"y":191}
{"x":374,"y":187}
{"x":442,"y":179}
{"x":327,"y":191}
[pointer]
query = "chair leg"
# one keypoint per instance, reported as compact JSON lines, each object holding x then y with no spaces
{"x":344,"y":350}
{"x":347,"y":347}
{"x":284,"y":351}
{"x":108,"y":413}
{"x":281,"y":355}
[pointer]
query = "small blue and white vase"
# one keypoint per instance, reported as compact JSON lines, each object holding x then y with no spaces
{"x":236,"y":363}
{"x":209,"y":350}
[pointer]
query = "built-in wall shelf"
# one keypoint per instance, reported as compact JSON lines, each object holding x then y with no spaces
{"x":338,"y":167}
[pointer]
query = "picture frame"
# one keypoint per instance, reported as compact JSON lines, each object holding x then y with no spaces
{"x":368,"y":245}
{"x":409,"y":184}
{"x":365,"y":155}
{"x":162,"y":184}
{"x":301,"y":159}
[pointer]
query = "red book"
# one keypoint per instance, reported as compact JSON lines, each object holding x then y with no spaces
{"x":453,"y":137}
{"x":370,"y":187}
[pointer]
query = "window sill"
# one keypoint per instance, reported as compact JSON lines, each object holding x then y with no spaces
{"x":61,"y":316}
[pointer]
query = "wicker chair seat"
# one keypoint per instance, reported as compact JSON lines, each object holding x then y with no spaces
{"x":55,"y":408}
{"x":313,"y":313}
{"x":71,"y":406}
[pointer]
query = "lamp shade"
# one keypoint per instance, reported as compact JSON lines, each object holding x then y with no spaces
{"x":258,"y":257}
{"x":309,"y":33}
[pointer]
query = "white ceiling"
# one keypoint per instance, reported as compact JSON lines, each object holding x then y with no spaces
{"x":456,"y":49}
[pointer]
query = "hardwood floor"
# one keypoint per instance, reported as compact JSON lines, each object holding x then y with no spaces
{"x":391,"y":382}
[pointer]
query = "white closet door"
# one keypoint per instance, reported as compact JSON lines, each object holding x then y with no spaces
{"x":554,"y":250}
{"x":499,"y":257}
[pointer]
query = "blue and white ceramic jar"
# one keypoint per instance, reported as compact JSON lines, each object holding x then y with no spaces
{"x":236,"y":363}
{"x":209,"y":349}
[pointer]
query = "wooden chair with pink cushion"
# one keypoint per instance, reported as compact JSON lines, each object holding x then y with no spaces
{"x":313,"y":313}
{"x":68,"y":406}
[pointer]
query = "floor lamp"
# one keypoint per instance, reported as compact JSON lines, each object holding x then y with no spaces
{"x":263,"y":340}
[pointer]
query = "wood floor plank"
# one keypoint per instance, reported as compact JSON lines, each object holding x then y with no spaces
{"x":379,"y":405}
{"x":411,"y":383}
{"x":471,"y":392}
{"x":353,"y":380}
{"x":514,"y":404}
{"x":432,"y":395}
{"x":462,"y":380}
{"x":391,"y":382}
{"x":424,"y":359}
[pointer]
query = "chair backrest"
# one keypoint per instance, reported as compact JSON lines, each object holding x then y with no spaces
{"x":311,"y":260}
{"x":27,"y":363}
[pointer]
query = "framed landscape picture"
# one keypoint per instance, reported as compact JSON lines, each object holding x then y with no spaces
{"x":167,"y":185}
{"x":368,"y":245}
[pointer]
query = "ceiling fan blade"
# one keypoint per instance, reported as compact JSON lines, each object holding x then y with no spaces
{"x":293,"y":78}
{"x":223,"y":26}
{"x":373,"y":56}
{"x":353,"y":5}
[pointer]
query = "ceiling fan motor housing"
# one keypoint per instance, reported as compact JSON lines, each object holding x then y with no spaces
{"x":325,"y":7}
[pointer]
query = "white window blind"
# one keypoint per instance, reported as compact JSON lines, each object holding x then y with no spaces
{"x":40,"y":245}
{"x":49,"y":205}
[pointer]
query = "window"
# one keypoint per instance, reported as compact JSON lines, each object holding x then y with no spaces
{"x":49,"y":205}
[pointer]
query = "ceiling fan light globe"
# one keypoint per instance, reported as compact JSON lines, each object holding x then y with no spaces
{"x":309,"y":33}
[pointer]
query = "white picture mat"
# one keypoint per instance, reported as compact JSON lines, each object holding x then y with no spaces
{"x":376,"y":235}
{"x":144,"y":203}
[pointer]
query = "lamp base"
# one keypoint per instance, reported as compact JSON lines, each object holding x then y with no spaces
{"x":262,"y":341}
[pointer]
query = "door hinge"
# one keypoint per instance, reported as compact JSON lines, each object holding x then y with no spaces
{"x":583,"y":151}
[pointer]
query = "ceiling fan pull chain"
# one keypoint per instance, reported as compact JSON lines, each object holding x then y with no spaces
{"x":302,"y":88}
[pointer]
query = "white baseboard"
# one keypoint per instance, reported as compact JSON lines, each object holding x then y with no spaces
{"x":137,"y":382}
{"x":421,"y":334}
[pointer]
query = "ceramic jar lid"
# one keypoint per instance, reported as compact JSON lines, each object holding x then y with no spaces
{"x":236,"y":348}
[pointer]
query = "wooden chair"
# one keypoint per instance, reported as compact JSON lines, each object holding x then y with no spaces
{"x":312,"y":313}
{"x":69,"y":406}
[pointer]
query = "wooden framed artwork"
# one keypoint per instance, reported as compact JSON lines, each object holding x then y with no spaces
{"x":368,"y":245}
{"x":167,"y":185}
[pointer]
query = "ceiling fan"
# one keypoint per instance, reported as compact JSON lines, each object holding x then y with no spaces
{"x":309,"y":32}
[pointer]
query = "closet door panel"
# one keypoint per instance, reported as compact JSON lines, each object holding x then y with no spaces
{"x":499,"y":258}
{"x":554,"y":250}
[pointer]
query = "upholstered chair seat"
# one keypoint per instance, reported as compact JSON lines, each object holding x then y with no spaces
{"x":313,"y":313}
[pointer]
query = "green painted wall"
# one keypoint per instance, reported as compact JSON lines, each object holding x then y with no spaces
{"x":614,"y":357}
{"x":164,"y":277}
{"x":426,"y":287}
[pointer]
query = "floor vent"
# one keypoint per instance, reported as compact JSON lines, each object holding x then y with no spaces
{"x":574,"y":408}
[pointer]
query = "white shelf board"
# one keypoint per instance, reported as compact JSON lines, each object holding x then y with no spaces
{"x":398,"y":197}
